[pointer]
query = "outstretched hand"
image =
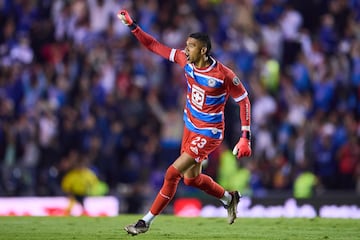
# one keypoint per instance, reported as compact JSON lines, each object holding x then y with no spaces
{"x":124,"y":16}
{"x":242,"y":148}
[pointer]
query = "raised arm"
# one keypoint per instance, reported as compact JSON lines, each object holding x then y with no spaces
{"x":150,"y":42}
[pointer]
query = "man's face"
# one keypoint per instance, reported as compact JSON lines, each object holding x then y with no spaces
{"x":194,"y":50}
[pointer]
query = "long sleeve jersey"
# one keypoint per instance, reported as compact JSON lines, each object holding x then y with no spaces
{"x":208,"y":90}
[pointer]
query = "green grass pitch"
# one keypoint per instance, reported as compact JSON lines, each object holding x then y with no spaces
{"x":171,"y":227}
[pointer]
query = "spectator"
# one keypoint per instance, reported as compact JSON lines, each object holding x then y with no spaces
{"x":305,"y":182}
{"x":348,"y":160}
{"x":324,"y":157}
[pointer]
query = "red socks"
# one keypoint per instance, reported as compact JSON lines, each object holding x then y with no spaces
{"x":171,"y":181}
{"x":168,"y":190}
{"x":207,"y":184}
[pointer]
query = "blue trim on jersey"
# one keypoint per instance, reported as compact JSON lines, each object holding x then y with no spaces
{"x":206,"y":132}
{"x":212,"y":100}
{"x":189,"y":70}
{"x":205,"y":117}
{"x":204,"y":80}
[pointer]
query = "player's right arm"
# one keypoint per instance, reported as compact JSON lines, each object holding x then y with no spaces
{"x":150,"y":42}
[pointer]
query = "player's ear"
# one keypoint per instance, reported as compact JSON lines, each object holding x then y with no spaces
{"x":203,"y":50}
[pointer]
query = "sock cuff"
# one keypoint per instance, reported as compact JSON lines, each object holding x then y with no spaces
{"x":172,"y":172}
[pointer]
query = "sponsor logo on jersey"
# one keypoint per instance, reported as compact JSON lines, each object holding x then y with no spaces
{"x":194,"y":150}
{"x":236,"y":81}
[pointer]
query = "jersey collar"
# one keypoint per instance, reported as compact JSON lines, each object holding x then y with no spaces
{"x":213,"y":64}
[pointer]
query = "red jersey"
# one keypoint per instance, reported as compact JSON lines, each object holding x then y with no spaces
{"x":207,"y":89}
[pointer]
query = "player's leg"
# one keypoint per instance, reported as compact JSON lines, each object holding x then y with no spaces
{"x":194,"y":177}
{"x":81,"y":200}
{"x":171,"y":180}
{"x":200,"y":147}
{"x":165,"y":195}
{"x":72,"y":202}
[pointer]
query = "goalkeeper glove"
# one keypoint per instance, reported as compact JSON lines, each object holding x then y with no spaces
{"x":125,"y":18}
{"x":243,"y":147}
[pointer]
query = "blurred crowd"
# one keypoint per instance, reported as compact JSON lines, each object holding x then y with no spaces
{"x":73,"y":80}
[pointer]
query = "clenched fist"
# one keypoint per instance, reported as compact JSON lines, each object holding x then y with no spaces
{"x":242,"y":148}
{"x":124,"y":16}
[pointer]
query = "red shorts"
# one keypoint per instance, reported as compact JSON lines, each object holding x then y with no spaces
{"x":198,"y":146}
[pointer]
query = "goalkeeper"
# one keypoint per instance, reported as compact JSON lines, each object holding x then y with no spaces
{"x":81,"y":182}
{"x":209,"y":84}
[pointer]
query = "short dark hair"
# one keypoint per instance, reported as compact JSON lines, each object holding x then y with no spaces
{"x":203,"y":37}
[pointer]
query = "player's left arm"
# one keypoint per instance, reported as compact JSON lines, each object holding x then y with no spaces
{"x":240,"y":95}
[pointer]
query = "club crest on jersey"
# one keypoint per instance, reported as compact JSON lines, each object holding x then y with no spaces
{"x":236,"y":81}
{"x":197,"y":96}
{"x":211,"y":82}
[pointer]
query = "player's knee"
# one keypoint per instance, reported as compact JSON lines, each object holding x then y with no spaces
{"x":172,"y":174}
{"x":192,"y":181}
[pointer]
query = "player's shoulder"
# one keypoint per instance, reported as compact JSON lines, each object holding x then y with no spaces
{"x":225,"y":70}
{"x":222,"y":67}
